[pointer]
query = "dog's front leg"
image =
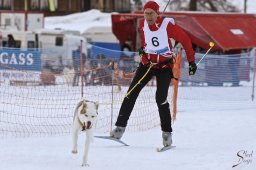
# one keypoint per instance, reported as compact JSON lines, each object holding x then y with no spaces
{"x":89,"y":137}
{"x":76,"y":128}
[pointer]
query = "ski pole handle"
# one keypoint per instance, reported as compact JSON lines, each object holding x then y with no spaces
{"x":211,"y":44}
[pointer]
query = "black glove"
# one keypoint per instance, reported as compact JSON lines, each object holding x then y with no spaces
{"x":192,"y":68}
{"x":141,"y":51}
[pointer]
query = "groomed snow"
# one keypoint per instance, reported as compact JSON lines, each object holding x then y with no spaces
{"x":209,"y":133}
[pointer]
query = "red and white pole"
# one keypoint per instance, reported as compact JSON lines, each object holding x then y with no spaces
{"x":82,"y":69}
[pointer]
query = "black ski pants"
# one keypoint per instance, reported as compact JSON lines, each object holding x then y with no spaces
{"x":163,"y":79}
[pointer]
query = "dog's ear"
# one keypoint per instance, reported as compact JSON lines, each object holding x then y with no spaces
{"x":84,"y":107}
{"x":97,"y":105}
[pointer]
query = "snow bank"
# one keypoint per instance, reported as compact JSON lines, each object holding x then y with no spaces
{"x":79,"y":21}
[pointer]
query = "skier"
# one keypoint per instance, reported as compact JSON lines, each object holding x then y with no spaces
{"x":156,"y":35}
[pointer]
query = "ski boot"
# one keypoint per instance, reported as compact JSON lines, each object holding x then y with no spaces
{"x":117,"y":132}
{"x":167,"y":138}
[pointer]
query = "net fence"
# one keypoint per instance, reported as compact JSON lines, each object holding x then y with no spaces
{"x":38,"y":93}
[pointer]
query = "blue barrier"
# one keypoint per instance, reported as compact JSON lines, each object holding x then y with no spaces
{"x":11,"y":59}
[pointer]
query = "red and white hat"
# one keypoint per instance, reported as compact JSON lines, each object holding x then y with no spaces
{"x":152,"y":5}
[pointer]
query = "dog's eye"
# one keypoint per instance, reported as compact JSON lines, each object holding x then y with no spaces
{"x":86,"y":115}
{"x":93,"y":116}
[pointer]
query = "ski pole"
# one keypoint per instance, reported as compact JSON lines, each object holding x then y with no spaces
{"x":165,"y":8}
{"x":211,"y":44}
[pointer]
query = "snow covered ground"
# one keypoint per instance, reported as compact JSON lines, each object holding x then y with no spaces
{"x":214,"y":125}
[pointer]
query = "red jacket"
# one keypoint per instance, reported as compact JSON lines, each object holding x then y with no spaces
{"x":173,"y":31}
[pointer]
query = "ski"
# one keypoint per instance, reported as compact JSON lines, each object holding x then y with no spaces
{"x":162,"y":149}
{"x":113,"y":139}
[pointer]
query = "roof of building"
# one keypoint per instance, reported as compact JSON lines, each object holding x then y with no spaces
{"x":229,"y":31}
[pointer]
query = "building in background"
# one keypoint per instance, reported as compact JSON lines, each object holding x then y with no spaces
{"x":64,"y":7}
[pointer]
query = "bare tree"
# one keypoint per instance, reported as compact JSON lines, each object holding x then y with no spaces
{"x":245,"y":6}
{"x":178,"y":5}
{"x":137,"y":5}
{"x":203,"y":5}
{"x":193,"y":5}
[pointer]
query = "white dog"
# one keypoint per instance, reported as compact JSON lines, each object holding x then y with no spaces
{"x":85,"y":117}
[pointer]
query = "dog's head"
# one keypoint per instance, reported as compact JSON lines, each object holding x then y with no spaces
{"x":87,"y":113}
